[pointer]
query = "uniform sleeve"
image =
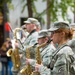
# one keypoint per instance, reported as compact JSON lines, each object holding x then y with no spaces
{"x":44,"y":70}
{"x":60,"y":65}
{"x":33,"y":63}
{"x":47,"y":57}
{"x":33,"y":40}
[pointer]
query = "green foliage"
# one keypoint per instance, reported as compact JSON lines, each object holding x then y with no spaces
{"x":60,"y":6}
{"x":56,"y":8}
{"x":23,"y":8}
{"x":4,"y":1}
{"x":34,"y":7}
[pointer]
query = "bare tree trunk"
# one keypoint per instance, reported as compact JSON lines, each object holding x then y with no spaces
{"x":48,"y":15}
{"x":29,"y":4}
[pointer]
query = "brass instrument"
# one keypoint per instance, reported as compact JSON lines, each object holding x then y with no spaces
{"x":38,"y":58}
{"x":16,"y":31}
{"x":27,"y":70}
{"x":15,"y":53}
{"x":15,"y":58}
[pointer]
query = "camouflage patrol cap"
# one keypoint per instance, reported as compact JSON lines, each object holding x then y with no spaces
{"x":42,"y":33}
{"x":31,"y":20}
{"x":58,"y":25}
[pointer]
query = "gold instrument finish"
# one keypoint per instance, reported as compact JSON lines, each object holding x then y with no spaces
{"x":27,"y":70}
{"x":38,"y":58}
{"x":28,"y":52}
{"x":15,"y":57}
{"x":24,"y":71}
{"x":15,"y":32}
{"x":9,"y":52}
{"x":35,"y":73}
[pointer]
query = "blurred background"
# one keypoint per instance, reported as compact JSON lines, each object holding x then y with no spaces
{"x":14,"y":12}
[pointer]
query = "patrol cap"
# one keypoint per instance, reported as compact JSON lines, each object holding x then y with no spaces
{"x":31,"y":20}
{"x":42,"y":33}
{"x":58,"y":25}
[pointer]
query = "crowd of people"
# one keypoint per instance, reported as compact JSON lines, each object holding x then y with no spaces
{"x":46,"y":51}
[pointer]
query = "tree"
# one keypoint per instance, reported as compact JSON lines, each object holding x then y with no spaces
{"x":54,"y":9}
{"x":4,"y":9}
{"x":29,"y":5}
{"x":59,"y":8}
{"x":48,"y":15}
{"x":4,"y":16}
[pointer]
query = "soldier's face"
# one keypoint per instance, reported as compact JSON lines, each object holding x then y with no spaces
{"x":28,"y":27}
{"x":41,"y":41}
{"x":56,"y":37}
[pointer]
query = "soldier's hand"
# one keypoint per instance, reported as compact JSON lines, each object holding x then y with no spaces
{"x":16,"y":45}
{"x":20,"y":55}
{"x":37,"y":66}
{"x":28,"y":61}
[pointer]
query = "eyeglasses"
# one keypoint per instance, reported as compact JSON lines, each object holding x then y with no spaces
{"x":24,"y":28}
{"x":52,"y":32}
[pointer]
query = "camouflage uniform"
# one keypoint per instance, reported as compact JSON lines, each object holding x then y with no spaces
{"x":46,"y":51}
{"x":29,"y":41}
{"x":32,"y":38}
{"x":71,"y":43}
{"x":62,"y":63}
{"x":63,"y":59}
{"x":46,"y":54}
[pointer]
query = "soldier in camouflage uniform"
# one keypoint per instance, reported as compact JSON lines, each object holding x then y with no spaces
{"x":30,"y":40}
{"x":31,"y":28}
{"x":63,"y":59}
{"x":46,"y":51}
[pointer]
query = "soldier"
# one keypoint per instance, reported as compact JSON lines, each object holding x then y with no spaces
{"x":62,"y":62}
{"x":30,"y":40}
{"x":46,"y":51}
{"x":31,"y":29}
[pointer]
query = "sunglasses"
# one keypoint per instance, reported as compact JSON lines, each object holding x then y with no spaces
{"x":53,"y":32}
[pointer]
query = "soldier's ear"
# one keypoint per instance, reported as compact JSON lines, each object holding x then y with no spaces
{"x":46,"y":38}
{"x":62,"y":34}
